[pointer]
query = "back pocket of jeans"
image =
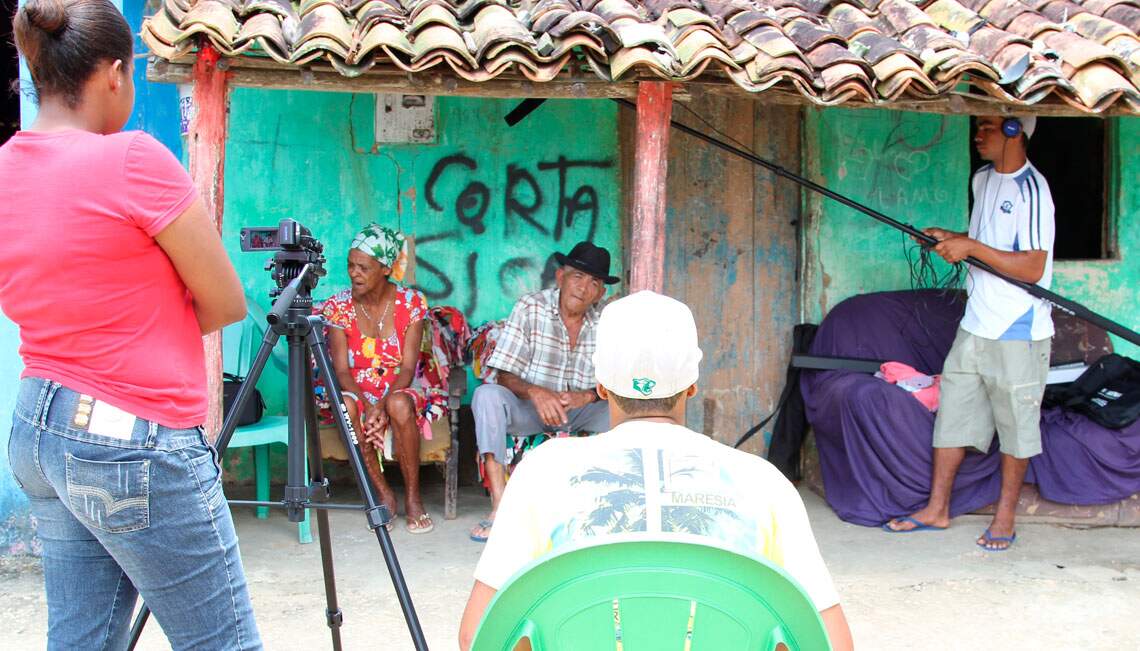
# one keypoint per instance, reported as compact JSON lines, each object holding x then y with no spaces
{"x":112,"y":496}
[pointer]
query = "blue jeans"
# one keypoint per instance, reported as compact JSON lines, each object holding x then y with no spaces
{"x":118,"y":517}
{"x":499,"y":412}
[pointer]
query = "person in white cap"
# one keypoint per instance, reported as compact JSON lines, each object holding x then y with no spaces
{"x":650,"y":475}
{"x":994,"y":376}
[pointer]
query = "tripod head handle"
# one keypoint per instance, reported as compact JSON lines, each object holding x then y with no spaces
{"x":288,"y":296}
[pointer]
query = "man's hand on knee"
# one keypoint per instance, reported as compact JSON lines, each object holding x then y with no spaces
{"x":576,"y":399}
{"x":549,"y":406}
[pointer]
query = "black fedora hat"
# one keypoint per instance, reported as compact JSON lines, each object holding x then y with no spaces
{"x":594,"y":260}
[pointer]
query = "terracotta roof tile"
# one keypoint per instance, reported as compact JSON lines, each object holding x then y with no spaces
{"x":807,"y":35}
{"x":1000,"y":13}
{"x":1098,"y":7}
{"x":1127,"y":15}
{"x":1079,"y":52}
{"x":874,"y":47}
{"x":1095,"y":28}
{"x":898,"y":66}
{"x":1084,"y":53}
{"x":953,"y":17}
{"x":1031,"y":25}
{"x":700,"y":46}
{"x":746,"y":21}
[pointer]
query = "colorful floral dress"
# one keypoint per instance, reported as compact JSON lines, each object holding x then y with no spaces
{"x":375,"y":364}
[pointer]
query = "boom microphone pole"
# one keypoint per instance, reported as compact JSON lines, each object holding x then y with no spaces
{"x":1062,"y":303}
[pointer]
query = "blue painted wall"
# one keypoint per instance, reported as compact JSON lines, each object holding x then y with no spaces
{"x":156,"y":105}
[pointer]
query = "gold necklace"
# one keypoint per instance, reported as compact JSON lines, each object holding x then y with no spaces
{"x":379,"y":323}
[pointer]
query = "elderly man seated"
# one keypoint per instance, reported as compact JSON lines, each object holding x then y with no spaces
{"x":542,"y":367}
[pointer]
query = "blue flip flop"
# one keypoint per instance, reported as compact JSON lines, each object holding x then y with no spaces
{"x":484,"y":525}
{"x":989,"y":538}
{"x":918,"y":526}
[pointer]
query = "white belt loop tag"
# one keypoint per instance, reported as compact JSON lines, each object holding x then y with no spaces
{"x":110,"y":421}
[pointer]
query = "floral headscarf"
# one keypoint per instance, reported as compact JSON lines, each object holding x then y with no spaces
{"x":388,"y":246}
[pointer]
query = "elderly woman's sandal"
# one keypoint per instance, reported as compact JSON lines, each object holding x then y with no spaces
{"x":422,"y":524}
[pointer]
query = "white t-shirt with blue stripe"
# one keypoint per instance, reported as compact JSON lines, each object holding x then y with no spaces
{"x":1012,"y":212}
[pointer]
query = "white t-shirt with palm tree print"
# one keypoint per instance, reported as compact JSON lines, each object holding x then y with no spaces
{"x":652,"y":479}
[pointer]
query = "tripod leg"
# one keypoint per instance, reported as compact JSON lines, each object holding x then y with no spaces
{"x":376,"y":513}
{"x":300,"y":392}
{"x":137,"y":627}
{"x":320,"y":489}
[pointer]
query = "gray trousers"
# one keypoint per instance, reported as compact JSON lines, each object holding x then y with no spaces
{"x":499,"y":412}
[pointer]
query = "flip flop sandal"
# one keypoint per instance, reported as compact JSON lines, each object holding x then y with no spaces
{"x":990,"y":538}
{"x":424,"y":525}
{"x":918,"y":526}
{"x":485,"y":525}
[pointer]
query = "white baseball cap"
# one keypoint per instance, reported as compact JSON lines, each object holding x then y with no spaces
{"x":1028,"y":124}
{"x":647,"y":347}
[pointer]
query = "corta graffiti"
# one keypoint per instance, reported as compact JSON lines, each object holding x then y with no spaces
{"x":524,"y":206}
{"x":472,"y":203}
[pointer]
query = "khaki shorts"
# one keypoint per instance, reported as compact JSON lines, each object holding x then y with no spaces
{"x":988,"y":385}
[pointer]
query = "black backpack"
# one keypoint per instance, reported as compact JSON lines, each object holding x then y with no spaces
{"x":254,"y":407}
{"x":1108,"y":392}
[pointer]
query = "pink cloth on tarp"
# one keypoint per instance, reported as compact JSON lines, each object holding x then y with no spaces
{"x":909,"y":379}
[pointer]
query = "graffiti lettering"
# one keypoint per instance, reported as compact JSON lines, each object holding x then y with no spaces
{"x":511,"y":270}
{"x":446,"y":286}
{"x":438,"y":170}
{"x":471,"y":204}
{"x":473,"y":300}
{"x":584,"y":199}
{"x":513,"y":205}
{"x":526,"y":214}
{"x":522,"y":196}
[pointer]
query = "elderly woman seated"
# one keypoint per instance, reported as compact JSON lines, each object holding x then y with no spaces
{"x":377,"y":328}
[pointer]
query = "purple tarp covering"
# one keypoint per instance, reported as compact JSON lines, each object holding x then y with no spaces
{"x":874,"y":439}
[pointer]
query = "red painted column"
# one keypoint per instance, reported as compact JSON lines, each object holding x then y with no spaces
{"x":207,"y":143}
{"x":647,"y":236}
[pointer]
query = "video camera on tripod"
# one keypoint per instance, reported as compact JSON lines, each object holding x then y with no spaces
{"x":295,"y":246}
{"x":297,"y":265}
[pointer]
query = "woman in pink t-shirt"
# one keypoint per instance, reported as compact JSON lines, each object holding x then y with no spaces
{"x":113,"y":271}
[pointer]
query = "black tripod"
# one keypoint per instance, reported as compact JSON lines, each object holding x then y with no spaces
{"x":292,"y":316}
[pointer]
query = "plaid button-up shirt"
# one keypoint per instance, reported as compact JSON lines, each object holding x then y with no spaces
{"x":535,"y":345}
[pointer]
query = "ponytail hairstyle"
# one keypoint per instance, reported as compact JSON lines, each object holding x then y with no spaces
{"x":64,"y":41}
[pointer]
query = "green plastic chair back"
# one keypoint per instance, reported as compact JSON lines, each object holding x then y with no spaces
{"x":651,"y":595}
{"x":241,"y":340}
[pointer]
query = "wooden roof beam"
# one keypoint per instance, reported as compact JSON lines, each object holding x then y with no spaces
{"x":268,"y":74}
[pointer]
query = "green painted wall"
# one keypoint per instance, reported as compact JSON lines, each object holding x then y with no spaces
{"x":488,"y":204}
{"x":910,"y":166}
{"x":915,"y":168}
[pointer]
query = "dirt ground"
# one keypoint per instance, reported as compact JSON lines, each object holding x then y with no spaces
{"x":1058,"y":588}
